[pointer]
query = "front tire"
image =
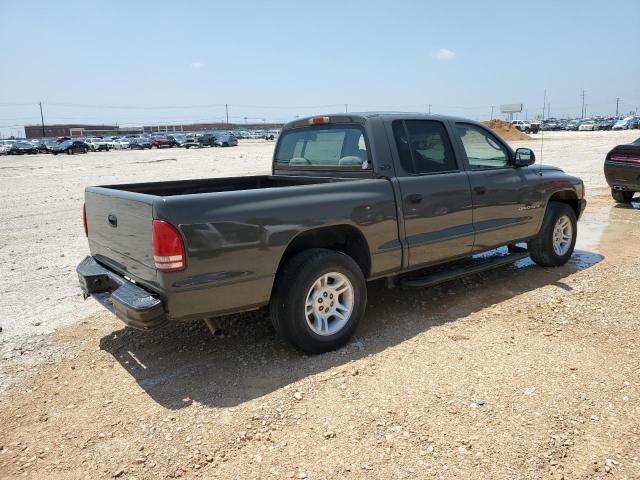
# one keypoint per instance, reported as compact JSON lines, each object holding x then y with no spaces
{"x":554,"y":244}
{"x":622,"y":196}
{"x":319,"y":297}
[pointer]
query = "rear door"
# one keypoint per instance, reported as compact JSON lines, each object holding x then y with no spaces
{"x":506,"y":205}
{"x":435,"y":192}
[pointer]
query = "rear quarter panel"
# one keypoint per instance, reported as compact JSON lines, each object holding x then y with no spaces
{"x":234,"y":240}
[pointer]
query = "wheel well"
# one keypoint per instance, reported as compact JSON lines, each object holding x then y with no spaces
{"x":342,"y":238}
{"x":569,"y":197}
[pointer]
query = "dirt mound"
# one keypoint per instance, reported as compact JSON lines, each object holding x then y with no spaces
{"x":506,"y":130}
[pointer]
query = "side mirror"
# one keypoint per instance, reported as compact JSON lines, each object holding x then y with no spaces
{"x":524,"y":157}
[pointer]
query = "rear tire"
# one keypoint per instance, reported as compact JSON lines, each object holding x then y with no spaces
{"x":622,"y":196}
{"x":314,"y":280}
{"x":554,"y":244}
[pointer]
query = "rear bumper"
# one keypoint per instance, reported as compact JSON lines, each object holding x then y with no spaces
{"x":622,"y":177}
{"x":135,"y":306}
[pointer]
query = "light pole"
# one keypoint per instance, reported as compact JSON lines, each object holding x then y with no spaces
{"x":42,"y":119}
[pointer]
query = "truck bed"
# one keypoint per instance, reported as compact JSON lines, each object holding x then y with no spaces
{"x":212,"y":185}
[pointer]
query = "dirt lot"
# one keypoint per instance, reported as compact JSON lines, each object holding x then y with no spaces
{"x":522,"y":372}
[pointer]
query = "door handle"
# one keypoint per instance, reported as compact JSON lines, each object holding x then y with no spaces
{"x":480,"y":190}
{"x":414,"y":198}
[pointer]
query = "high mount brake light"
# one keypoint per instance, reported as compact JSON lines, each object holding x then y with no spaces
{"x":318,"y":120}
{"x":168,"y":247}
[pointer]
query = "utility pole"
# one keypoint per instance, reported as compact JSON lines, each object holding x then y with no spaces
{"x":346,"y":108}
{"x":544,"y":102}
{"x":617,"y":105}
{"x":226,"y":107}
{"x":549,"y":110}
{"x":429,"y":109}
{"x":491,"y":113}
{"x":42,"y":119}
{"x":583,"y":111}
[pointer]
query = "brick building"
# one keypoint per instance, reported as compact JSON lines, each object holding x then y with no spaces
{"x":68,"y":130}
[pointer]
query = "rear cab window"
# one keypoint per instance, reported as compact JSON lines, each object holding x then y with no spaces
{"x":424,"y":147}
{"x":324,"y":147}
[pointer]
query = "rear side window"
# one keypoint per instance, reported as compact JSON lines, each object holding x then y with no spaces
{"x":328,"y":146}
{"x":424,"y":147}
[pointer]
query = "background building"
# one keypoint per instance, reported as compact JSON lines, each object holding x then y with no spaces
{"x":68,"y":130}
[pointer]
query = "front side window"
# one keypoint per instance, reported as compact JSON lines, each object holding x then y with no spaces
{"x":424,"y":147}
{"x":328,"y":146}
{"x":482,"y":149}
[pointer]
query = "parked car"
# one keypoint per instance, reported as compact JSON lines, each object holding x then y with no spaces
{"x":588,"y":126}
{"x":42,"y":145}
{"x":178,"y":138}
{"x":4,"y":149}
{"x":122,"y":143}
{"x":351,"y":198}
{"x":22,"y":148}
{"x":534,"y":126}
{"x":623,"y":124}
{"x":226,"y":140}
{"x":573,"y":125}
{"x":522,"y":125}
{"x":98,"y":144}
{"x":191,"y":141}
{"x":7,"y":144}
{"x":604,"y":124}
{"x":163,"y":142}
{"x":207,"y":139}
{"x":139,"y":143}
{"x":622,"y":171}
{"x":70,"y":147}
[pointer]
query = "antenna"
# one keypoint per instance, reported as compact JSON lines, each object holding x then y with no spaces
{"x":544,"y":103}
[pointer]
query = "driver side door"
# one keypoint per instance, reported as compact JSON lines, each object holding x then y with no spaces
{"x":506,"y":204}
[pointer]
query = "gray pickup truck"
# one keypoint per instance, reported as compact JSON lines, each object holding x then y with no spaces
{"x":418,"y":199}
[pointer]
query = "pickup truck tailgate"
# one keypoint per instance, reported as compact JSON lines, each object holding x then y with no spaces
{"x":120,"y":229}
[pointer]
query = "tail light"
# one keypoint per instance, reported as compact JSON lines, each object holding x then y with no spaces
{"x":84,"y":220}
{"x":168,"y":247}
{"x":624,"y":158}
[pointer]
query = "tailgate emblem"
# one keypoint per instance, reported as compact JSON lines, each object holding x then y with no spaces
{"x":112,"y":219}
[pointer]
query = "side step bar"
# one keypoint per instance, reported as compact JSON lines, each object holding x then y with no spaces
{"x":477,"y":265}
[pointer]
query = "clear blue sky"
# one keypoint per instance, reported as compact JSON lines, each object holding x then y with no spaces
{"x":82,"y":59}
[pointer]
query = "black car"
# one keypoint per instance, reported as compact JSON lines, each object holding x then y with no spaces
{"x":226,"y":140}
{"x":22,"y":148}
{"x":622,"y":171}
{"x":208,"y":139}
{"x":139,"y":143}
{"x":70,"y":147}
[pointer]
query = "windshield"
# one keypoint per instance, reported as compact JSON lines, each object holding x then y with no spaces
{"x":329,"y":146}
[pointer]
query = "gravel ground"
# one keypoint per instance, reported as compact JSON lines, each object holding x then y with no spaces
{"x":522,"y":372}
